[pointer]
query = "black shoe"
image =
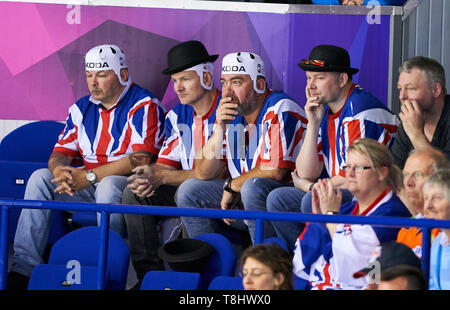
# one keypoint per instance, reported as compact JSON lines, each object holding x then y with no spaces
{"x":17,"y":281}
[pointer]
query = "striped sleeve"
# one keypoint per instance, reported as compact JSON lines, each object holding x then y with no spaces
{"x":170,"y":150}
{"x":313,"y":242}
{"x":146,"y":119}
{"x":283,"y":132}
{"x":68,"y":139}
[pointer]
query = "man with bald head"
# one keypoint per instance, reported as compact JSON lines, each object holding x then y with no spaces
{"x":419,"y":166}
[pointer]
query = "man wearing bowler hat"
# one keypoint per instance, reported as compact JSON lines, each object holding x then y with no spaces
{"x":187,"y":127}
{"x":339,"y":112}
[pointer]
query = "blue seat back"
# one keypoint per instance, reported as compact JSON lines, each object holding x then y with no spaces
{"x":31,"y":142}
{"x":226,"y":283}
{"x":24,"y":150}
{"x":83,"y":245}
{"x":170,"y":280}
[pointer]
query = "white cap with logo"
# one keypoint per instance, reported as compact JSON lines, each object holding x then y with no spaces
{"x":200,"y":69}
{"x":244,"y":63}
{"x":107,"y":57}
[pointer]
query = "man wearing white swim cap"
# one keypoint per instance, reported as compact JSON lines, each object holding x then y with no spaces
{"x":257,"y":137}
{"x":117,"y":118}
{"x":188,"y":125}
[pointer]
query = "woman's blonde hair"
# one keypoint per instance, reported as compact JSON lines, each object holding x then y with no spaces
{"x":379,"y":156}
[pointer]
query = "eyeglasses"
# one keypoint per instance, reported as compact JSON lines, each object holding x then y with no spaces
{"x":253,"y":274}
{"x":417,"y":175}
{"x":356,"y":169}
{"x":315,"y":62}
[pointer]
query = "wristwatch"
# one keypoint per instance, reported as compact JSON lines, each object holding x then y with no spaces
{"x":227,"y":186}
{"x":332,"y":213}
{"x":91,"y":176}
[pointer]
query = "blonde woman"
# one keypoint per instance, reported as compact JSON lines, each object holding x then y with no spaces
{"x":328,"y":255}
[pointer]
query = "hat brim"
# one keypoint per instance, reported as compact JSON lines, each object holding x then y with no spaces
{"x":211,"y":58}
{"x":312,"y":68}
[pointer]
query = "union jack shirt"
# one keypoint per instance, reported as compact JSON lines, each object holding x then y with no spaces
{"x":329,"y":263}
{"x":362,"y":116}
{"x":185,"y":134}
{"x":101,"y":136}
{"x":274,"y":140}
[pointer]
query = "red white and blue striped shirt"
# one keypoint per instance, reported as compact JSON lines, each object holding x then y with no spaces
{"x":101,"y":136}
{"x":185,"y":134}
{"x":362,"y":116}
{"x":274,"y":140}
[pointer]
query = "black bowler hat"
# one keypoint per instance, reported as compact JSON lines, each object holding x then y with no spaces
{"x":328,"y":58}
{"x":187,"y":255}
{"x":186,"y":55}
{"x":390,"y":255}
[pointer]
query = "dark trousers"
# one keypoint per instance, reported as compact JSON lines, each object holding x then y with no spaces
{"x":141,"y":228}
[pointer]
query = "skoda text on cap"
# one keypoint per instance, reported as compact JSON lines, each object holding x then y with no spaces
{"x":244,"y":63}
{"x":202,"y":68}
{"x":107,"y":57}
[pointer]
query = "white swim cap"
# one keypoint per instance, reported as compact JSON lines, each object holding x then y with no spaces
{"x":107,"y":57}
{"x":202,"y":68}
{"x":244,"y":63}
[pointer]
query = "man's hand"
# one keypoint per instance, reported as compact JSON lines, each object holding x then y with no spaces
{"x":226,"y":112}
{"x":69,"y":179}
{"x":300,"y":183}
{"x":145,"y":180}
{"x":412,"y":120}
{"x":314,"y":109}
{"x":229,"y":201}
{"x":353,"y":2}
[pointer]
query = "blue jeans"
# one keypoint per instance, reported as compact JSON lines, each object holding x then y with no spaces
{"x":292,"y":199}
{"x":194,"y":193}
{"x":33,"y":226}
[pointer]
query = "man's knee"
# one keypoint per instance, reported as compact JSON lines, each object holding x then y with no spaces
{"x":185,"y":191}
{"x":128,"y":197}
{"x":273,"y":199}
{"x":284,"y":199}
{"x":36,"y":184}
{"x":110,"y":189}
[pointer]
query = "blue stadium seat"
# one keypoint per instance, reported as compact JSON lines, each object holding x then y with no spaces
{"x":226,"y":283}
{"x":24,"y":150}
{"x":170,"y":280}
{"x":83,"y":246}
{"x":221,"y":263}
{"x":277,"y":241}
{"x":54,"y":277}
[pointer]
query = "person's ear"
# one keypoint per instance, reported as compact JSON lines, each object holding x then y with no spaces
{"x":261,"y":83}
{"x":124,"y":74}
{"x":278,"y":280}
{"x":343,"y":79}
{"x":207,"y":78}
{"x":436,"y":90}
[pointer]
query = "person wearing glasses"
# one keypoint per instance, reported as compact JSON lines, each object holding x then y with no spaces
{"x":327,"y":255}
{"x":418,"y":167}
{"x":266,"y":267}
{"x":339,"y":112}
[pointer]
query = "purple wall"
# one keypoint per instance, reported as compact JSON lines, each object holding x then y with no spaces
{"x":41,"y":54}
